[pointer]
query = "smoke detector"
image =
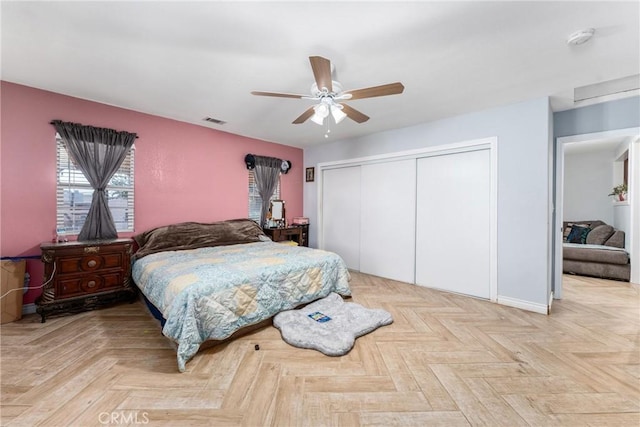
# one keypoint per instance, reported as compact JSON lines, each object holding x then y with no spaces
{"x":580,"y":37}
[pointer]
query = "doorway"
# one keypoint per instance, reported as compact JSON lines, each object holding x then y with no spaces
{"x":630,"y":136}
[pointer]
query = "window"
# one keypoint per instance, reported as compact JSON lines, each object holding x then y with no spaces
{"x":74,"y":194}
{"x":255,"y":201}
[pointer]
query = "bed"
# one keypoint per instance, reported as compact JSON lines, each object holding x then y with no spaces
{"x":208,"y":281}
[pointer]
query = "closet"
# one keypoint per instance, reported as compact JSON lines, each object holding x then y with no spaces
{"x":341,"y":213}
{"x":422,"y":218}
{"x":387,"y":219}
{"x":453,"y":223}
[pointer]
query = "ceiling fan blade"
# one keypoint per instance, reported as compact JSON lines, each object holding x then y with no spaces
{"x":322,"y":72}
{"x":304,"y":116}
{"x":279,"y":95}
{"x":371,"y":92}
{"x":354,"y":114}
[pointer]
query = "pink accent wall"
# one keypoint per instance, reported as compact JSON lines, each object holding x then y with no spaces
{"x":183,"y":172}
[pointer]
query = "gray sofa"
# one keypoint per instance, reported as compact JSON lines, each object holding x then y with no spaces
{"x":593,"y":248}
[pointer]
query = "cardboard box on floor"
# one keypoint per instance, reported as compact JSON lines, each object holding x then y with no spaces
{"x":12,"y":279}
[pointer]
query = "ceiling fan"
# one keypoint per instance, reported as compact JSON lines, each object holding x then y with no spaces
{"x":330,"y":95}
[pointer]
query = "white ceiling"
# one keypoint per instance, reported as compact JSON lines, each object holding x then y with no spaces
{"x":190,"y":60}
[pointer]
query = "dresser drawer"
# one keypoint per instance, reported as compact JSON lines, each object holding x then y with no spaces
{"x":295,"y":233}
{"x":88,"y":284}
{"x":290,"y":231}
{"x":88,"y":263}
{"x":85,"y":275}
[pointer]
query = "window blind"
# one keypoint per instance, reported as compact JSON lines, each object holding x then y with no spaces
{"x":255,"y":201}
{"x":74,"y":193}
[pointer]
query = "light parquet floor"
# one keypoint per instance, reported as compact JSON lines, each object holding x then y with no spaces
{"x":446,"y":360}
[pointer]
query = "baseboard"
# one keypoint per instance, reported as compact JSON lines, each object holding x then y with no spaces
{"x":524,"y":305}
{"x":28,"y":308}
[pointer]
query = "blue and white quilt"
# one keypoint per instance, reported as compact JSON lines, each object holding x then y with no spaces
{"x":209,"y":293}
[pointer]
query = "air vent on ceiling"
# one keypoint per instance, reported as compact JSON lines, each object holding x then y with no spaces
{"x":212,"y":120}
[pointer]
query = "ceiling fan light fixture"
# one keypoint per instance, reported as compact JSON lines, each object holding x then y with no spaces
{"x":337,"y":113}
{"x":322,"y":110}
{"x":317,"y":119}
{"x":329,"y":94}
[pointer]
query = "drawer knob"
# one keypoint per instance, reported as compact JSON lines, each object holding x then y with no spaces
{"x":92,"y":263}
{"x":91,"y":284}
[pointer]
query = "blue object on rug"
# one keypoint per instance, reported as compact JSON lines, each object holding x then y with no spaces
{"x":329,"y":325}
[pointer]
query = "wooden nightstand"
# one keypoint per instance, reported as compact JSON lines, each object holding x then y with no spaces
{"x":85,"y":275}
{"x":297,"y":233}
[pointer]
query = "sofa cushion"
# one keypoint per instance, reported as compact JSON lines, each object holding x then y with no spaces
{"x":578,"y":234}
{"x":596,"y":269}
{"x":616,"y":240}
{"x":595,"y":253}
{"x":600,"y":234}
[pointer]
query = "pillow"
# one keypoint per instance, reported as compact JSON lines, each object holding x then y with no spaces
{"x":194,"y":235}
{"x":578,"y":234}
{"x":616,"y":240}
{"x":567,"y":230}
{"x":600,"y":234}
{"x":594,"y":224}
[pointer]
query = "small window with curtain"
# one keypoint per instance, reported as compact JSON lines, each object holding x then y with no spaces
{"x":74,"y":193}
{"x":255,"y":201}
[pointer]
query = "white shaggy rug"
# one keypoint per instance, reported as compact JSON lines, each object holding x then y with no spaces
{"x":329,"y":325}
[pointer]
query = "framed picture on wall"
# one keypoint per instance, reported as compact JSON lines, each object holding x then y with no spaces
{"x":310,"y":174}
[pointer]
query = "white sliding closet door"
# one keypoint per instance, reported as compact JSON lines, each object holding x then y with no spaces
{"x":454,"y":222}
{"x":341,"y":213}
{"x":387,"y":227}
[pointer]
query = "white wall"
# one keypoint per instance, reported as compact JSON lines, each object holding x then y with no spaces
{"x":633,"y":236}
{"x":622,"y":221}
{"x":523,"y":133}
{"x":588,"y":177}
{"x":622,"y":210}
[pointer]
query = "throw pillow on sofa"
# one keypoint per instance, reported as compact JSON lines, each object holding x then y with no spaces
{"x":567,"y":229}
{"x":600,"y":234}
{"x":578,"y":234}
{"x":616,"y":240}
